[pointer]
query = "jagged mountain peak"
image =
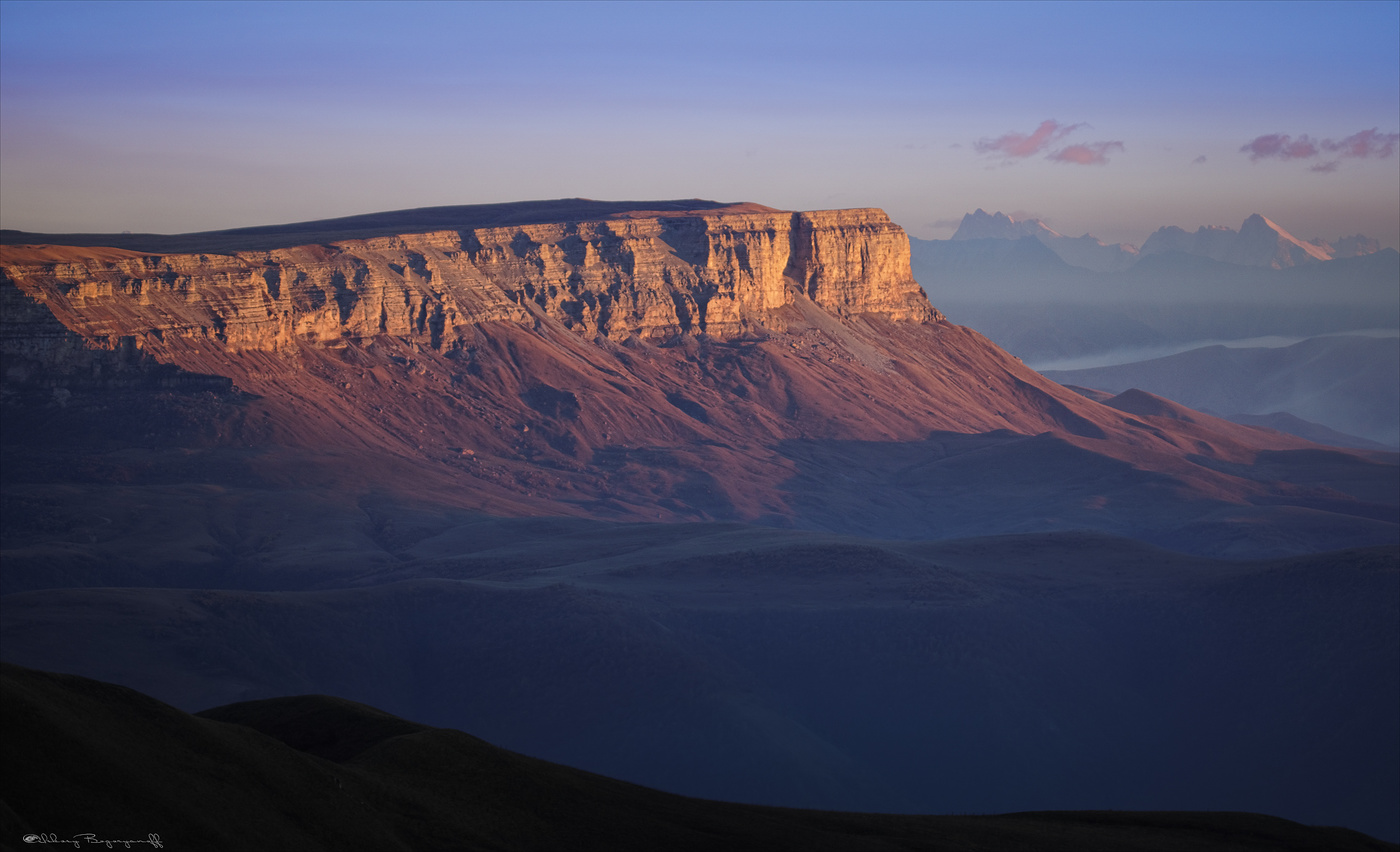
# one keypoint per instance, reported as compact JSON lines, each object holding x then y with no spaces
{"x":1259,"y":242}
{"x":981,"y":225}
{"x":1087,"y":252}
{"x":1263,"y":242}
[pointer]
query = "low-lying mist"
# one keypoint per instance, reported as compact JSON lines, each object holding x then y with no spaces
{"x":1135,"y":354}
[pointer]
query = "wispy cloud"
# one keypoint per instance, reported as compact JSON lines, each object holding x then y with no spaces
{"x":1013,"y":146}
{"x":1021,"y":145}
{"x":1090,"y":154}
{"x":1279,"y":146}
{"x":1367,"y":144}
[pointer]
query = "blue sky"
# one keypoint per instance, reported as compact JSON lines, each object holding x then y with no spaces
{"x":174,"y":117}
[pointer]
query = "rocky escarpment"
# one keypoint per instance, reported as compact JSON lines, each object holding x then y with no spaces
{"x":736,"y":363}
{"x":722,"y":274}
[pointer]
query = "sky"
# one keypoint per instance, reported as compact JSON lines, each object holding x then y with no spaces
{"x":1105,"y":118}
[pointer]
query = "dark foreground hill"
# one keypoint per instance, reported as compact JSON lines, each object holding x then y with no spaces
{"x":1058,"y":671}
{"x":313,"y":772}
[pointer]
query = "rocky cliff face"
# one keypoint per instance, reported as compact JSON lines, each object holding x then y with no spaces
{"x":654,"y":277}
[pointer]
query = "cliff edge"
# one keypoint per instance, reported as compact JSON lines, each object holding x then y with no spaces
{"x":648,"y":274}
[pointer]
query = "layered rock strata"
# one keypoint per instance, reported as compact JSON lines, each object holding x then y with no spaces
{"x":723,"y":275}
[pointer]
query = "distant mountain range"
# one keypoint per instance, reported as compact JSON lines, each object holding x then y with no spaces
{"x":1024,"y":294}
{"x":1345,"y":382}
{"x":1064,"y":303}
{"x":1259,"y":242}
{"x":1087,"y":251}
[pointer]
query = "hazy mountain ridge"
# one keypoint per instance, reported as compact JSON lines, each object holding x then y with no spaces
{"x":1282,"y":421}
{"x":1350,"y":383}
{"x":1259,"y":242}
{"x":1087,"y":251}
{"x":1040,"y":308}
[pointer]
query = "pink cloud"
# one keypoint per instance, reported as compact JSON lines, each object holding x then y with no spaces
{"x":1367,"y":143}
{"x":1022,"y":144}
{"x":1280,"y":146}
{"x":1091,"y":154}
{"x":1363,"y":145}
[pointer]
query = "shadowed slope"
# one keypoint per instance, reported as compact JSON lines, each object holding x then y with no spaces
{"x":538,"y":421}
{"x":139,"y":768}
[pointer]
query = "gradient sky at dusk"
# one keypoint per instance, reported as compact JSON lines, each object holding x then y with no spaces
{"x":1108,"y":118}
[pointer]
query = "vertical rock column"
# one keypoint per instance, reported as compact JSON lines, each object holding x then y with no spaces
{"x":856,"y":261}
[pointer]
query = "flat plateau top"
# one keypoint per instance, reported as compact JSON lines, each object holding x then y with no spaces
{"x":418,"y":220}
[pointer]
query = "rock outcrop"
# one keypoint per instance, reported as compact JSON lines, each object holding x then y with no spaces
{"x":721,"y":274}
